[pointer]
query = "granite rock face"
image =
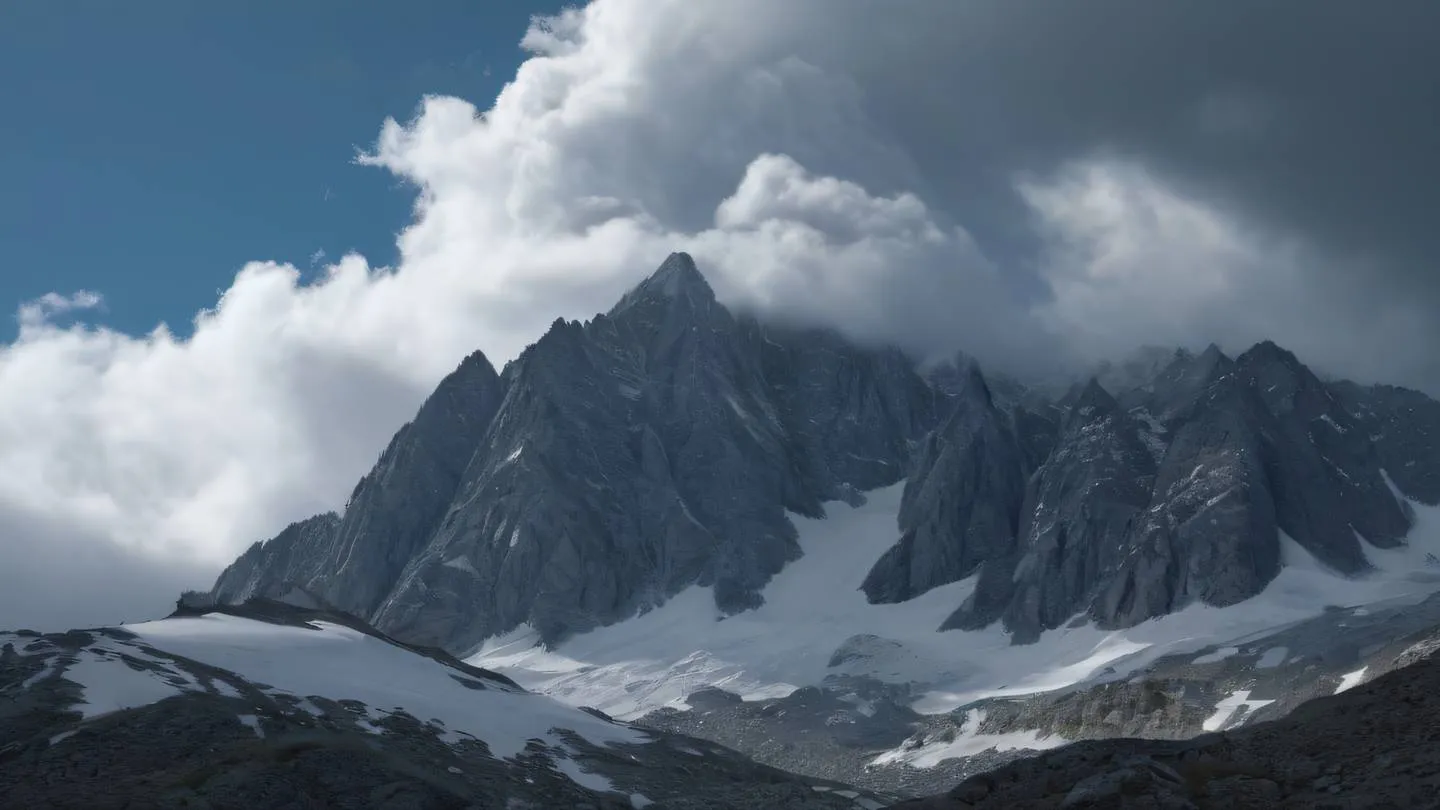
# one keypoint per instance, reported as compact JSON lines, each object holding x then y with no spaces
{"x":1210,"y":531}
{"x":1079,"y":510}
{"x":394,"y":508}
{"x":1330,"y":492}
{"x":352,"y":561}
{"x":658,"y":446}
{"x":266,"y":569}
{"x":961,"y":505}
{"x":1404,"y":426}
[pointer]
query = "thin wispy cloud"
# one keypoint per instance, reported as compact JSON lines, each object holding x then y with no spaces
{"x":43,"y":310}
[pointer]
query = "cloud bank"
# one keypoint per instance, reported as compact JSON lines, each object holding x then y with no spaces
{"x":1035,"y":190}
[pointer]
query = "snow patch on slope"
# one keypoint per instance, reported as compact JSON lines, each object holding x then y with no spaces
{"x":1350,"y":680}
{"x":591,"y":781}
{"x":110,"y":684}
{"x":969,"y":742}
{"x":325,"y":660}
{"x":1226,"y":710}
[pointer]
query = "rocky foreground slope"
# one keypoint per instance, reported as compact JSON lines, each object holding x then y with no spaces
{"x":1372,"y":747}
{"x":272,"y":706}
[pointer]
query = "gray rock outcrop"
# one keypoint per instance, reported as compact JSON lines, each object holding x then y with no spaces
{"x":351,"y":562}
{"x":265,"y":569}
{"x":1404,"y":426}
{"x":1210,"y":532}
{"x":1078,"y":512}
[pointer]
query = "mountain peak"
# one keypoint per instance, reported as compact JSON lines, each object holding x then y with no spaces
{"x":677,"y":279}
{"x":679,"y":273}
{"x":1277,"y":372}
{"x":1267,"y":352}
{"x":972,"y":383}
{"x":1091,"y":400}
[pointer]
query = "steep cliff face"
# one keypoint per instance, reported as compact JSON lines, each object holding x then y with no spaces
{"x":395,"y":507}
{"x":1078,"y":512}
{"x":1404,"y":426}
{"x":1330,"y":491}
{"x":1210,"y":531}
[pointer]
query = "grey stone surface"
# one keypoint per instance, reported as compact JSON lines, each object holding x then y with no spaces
{"x":1210,"y":532}
{"x":1323,"y":467}
{"x":1176,"y":490}
{"x":395,"y":507}
{"x":1076,"y":518}
{"x":657,"y":446}
{"x":293,"y":555}
{"x":1405,"y":428}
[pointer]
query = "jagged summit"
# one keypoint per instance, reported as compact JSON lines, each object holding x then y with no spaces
{"x":1090,"y":402}
{"x":969,"y":384}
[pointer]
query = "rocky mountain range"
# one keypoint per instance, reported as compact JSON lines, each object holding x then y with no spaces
{"x":770,"y":551}
{"x":663,"y":444}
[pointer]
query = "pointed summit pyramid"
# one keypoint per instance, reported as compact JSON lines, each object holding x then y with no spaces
{"x":677,"y":280}
{"x":1092,"y":402}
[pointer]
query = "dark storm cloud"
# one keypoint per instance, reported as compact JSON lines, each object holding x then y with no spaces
{"x":1319,"y":117}
{"x":1316,"y":121}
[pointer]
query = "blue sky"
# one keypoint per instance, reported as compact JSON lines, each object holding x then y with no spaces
{"x":150,"y":149}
